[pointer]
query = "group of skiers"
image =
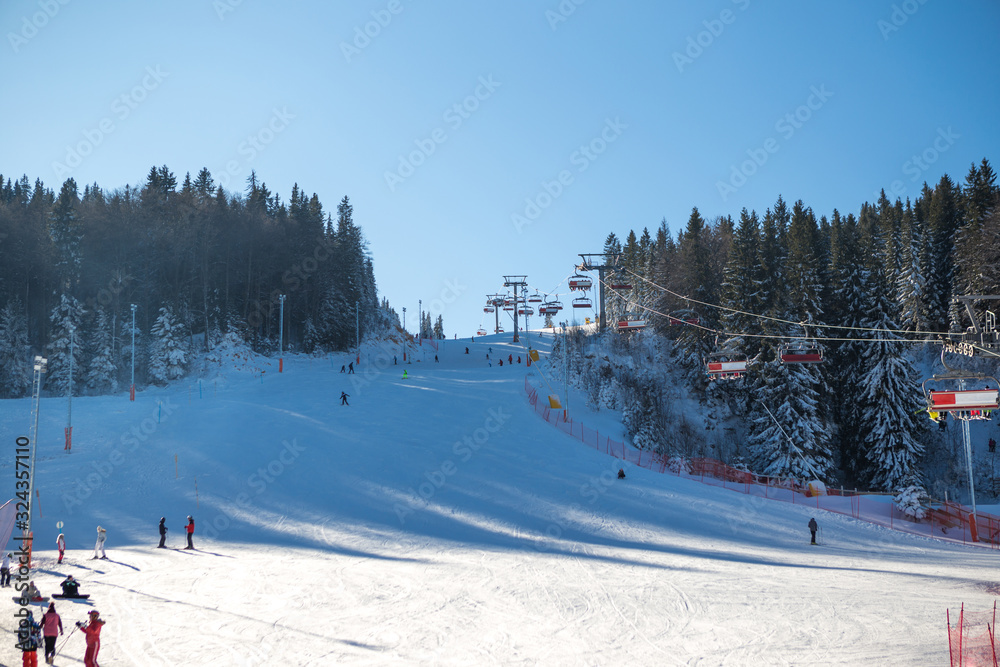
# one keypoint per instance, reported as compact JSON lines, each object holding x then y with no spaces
{"x":31,"y":634}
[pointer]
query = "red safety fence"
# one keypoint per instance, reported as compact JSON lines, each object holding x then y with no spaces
{"x":972,"y":640}
{"x":942,"y":520}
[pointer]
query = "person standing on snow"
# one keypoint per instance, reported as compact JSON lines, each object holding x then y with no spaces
{"x":51,"y":628}
{"x":99,"y":547}
{"x":813,"y":527}
{"x":5,"y":571}
{"x":28,"y":638}
{"x":189,"y":529}
{"x":61,"y":544}
{"x":93,"y":632}
{"x":350,"y":368}
{"x":343,"y":398}
{"x":163,"y":533}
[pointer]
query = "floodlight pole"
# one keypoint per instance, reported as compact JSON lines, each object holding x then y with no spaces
{"x":404,"y":334}
{"x":281,"y":330}
{"x":69,"y":392}
{"x":36,"y":393}
{"x":131,"y":392}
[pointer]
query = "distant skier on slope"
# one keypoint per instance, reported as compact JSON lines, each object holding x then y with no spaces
{"x":5,"y":571}
{"x":189,"y":529}
{"x":621,"y":473}
{"x":350,"y":368}
{"x":343,"y":398}
{"x":813,"y":527}
{"x":163,"y":533}
{"x":61,"y":545}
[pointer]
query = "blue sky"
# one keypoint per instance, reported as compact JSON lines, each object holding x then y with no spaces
{"x":608,"y":116}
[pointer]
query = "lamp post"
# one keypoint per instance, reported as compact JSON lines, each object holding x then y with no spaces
{"x":404,"y":334}
{"x":357,"y":329}
{"x":281,"y":330}
{"x":69,"y":392}
{"x":131,"y":391}
{"x":40,"y":367}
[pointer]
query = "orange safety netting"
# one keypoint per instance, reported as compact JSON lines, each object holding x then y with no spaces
{"x":972,"y":640}
{"x":941,"y":520}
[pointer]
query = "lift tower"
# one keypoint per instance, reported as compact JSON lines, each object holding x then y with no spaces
{"x":601,"y":262}
{"x":515,"y":282}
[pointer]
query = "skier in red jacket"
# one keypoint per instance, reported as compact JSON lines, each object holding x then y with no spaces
{"x":190,"y":532}
{"x":93,"y":632}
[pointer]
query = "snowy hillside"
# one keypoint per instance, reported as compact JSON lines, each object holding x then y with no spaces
{"x":437,"y":520}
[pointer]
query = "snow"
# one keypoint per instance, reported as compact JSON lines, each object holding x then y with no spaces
{"x":437,"y":520}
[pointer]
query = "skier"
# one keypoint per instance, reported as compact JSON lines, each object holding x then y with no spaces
{"x":61,"y":544}
{"x":99,"y":547}
{"x":93,"y":631}
{"x":813,"y":527}
{"x":51,"y":628}
{"x":189,"y":529}
{"x":343,"y":369}
{"x":519,"y":358}
{"x":992,"y":445}
{"x":394,"y":360}
{"x":5,"y":571}
{"x":435,"y":359}
{"x":350,"y":368}
{"x":501,"y":362}
{"x":28,"y":639}
{"x":466,"y":350}
{"x":510,"y":358}
{"x":163,"y":533}
{"x":621,"y":473}
{"x":404,"y":373}
{"x":343,"y":398}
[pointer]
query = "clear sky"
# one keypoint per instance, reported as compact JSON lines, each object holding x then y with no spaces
{"x":447,"y":119}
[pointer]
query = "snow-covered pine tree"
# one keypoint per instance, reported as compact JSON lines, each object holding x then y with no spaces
{"x":15,"y":357}
{"x":102,"y":373}
{"x":439,"y":327}
{"x":168,"y":350}
{"x":67,"y":321}
{"x":912,"y":283}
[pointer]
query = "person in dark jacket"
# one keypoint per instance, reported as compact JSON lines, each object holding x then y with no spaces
{"x":163,"y":533}
{"x":343,"y":398}
{"x":621,"y":473}
{"x":813,"y":527}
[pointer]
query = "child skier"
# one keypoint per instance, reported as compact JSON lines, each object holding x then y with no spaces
{"x":61,"y":545}
{"x":28,"y":638}
{"x":93,"y":632}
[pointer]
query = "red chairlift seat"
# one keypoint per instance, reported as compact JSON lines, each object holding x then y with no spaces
{"x":582,"y":302}
{"x":800,"y":353}
{"x":526,"y":310}
{"x":579,"y":282}
{"x":488,"y":309}
{"x":535,"y":298}
{"x":620,"y":286}
{"x":481,"y":332}
{"x":631,"y":325}
{"x":720,"y":369}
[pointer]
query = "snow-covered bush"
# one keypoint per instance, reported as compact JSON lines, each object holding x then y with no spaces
{"x":679,"y":465}
{"x":912,"y":501}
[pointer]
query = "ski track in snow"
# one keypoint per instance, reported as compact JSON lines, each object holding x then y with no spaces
{"x":517,"y":551}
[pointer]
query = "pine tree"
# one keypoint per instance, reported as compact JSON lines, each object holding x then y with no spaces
{"x":66,"y":232}
{"x":168,"y":351}
{"x":65,"y":344}
{"x":439,"y":328}
{"x":102,"y":372}
{"x":15,"y":358}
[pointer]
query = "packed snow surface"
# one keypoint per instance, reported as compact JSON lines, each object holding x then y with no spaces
{"x":436,"y":520}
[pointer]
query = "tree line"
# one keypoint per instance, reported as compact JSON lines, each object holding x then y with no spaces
{"x":197,"y":262}
{"x":860,"y":286}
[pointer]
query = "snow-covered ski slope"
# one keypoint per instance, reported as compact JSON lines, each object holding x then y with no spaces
{"x":437,"y":520}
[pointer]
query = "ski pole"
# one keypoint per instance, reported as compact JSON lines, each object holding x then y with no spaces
{"x":66,"y":640}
